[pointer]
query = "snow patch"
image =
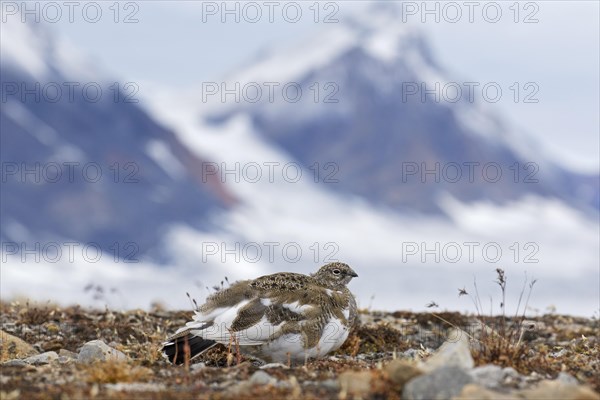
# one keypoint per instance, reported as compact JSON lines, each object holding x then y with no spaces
{"x":160,"y":152}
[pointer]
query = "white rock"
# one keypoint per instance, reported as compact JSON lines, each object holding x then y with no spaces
{"x":198,"y":366}
{"x":136,"y":387}
{"x":97,"y":350}
{"x":262,"y":378}
{"x":566,"y":379}
{"x":443,"y":383}
{"x":488,"y":376}
{"x":274,"y":365}
{"x":455,"y":352}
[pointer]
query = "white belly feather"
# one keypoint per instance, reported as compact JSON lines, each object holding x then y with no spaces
{"x":292,"y":345}
{"x":260,"y":335}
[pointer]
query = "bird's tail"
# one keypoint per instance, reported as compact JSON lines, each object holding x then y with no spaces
{"x":177,"y":348}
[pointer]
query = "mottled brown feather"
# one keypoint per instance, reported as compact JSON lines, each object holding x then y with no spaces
{"x":272,"y":296}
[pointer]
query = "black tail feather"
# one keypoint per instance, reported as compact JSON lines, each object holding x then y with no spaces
{"x":175,"y":348}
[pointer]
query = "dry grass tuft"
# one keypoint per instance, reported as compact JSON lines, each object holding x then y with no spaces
{"x":351,"y":346}
{"x":506,"y":340}
{"x":376,"y":339}
{"x":500,"y":340}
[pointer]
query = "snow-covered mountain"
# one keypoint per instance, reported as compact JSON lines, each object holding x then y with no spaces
{"x":82,"y":161}
{"x":368,"y":134}
{"x":364,"y":108}
{"x":360,"y":210}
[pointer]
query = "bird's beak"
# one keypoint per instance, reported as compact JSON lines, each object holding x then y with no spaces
{"x":353,"y":274}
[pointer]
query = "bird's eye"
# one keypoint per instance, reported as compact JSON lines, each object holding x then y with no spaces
{"x":336,"y":271}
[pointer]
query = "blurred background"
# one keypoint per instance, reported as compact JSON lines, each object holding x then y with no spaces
{"x":151,"y":149}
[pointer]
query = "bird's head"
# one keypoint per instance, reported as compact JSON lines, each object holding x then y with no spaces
{"x":335,"y":275}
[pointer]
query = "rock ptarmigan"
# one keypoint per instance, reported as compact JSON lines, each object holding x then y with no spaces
{"x":277,"y":318}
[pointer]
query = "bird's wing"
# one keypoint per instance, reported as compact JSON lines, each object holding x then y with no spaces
{"x":281,"y":282}
{"x":255,"y":312}
{"x":250,"y":322}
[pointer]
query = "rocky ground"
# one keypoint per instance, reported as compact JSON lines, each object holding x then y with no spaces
{"x":73,"y":353}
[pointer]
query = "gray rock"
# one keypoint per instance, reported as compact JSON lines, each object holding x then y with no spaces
{"x":511,"y":372}
{"x":330,"y":384}
{"x":197,"y":366}
{"x":44,"y":358}
{"x":67,"y":353}
{"x":443,"y":383}
{"x":454,"y":352}
{"x":136,"y":387}
{"x":262,"y":378}
{"x":488,"y":376}
{"x":231,"y":385}
{"x":283,"y":385}
{"x":9,"y":327}
{"x":558,"y":354}
{"x":66,"y":360}
{"x":259,"y":378}
{"x":14,"y":363}
{"x":566,"y":379}
{"x":97,"y":350}
{"x":66,"y":356}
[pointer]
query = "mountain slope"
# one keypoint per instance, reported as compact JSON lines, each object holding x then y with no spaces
{"x":101,"y":169}
{"x":381,"y":138}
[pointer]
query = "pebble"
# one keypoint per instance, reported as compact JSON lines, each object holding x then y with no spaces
{"x":97,"y":350}
{"x":274,"y":365}
{"x":136,"y":387}
{"x":14,"y":363}
{"x":283,"y":385}
{"x":488,"y":376}
{"x":566,"y":379}
{"x":67,"y":353}
{"x":40,"y":359}
{"x":443,"y":383}
{"x":331,"y":384}
{"x":65,"y":360}
{"x":454,"y":352}
{"x":9,"y":326}
{"x":558,"y":354}
{"x":259,"y":378}
{"x":262,"y":378}
{"x":197,"y":366}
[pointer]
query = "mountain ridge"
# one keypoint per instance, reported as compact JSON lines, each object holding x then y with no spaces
{"x":78,"y":164}
{"x":373,"y":130}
